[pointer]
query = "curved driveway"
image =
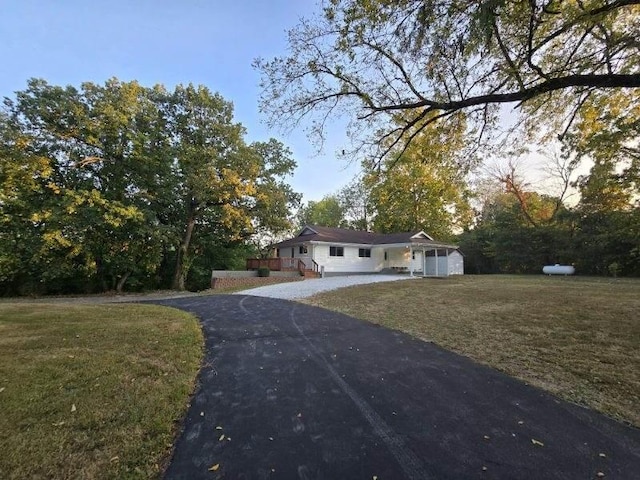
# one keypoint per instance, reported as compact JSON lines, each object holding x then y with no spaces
{"x":292,"y":391}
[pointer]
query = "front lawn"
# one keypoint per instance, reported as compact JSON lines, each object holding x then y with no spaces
{"x":93,"y":391}
{"x":576,"y":337}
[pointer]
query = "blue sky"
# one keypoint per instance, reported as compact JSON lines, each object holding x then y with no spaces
{"x":209,"y":42}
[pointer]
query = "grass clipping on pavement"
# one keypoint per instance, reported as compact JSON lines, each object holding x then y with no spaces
{"x":578,"y":338}
{"x":93,"y":391}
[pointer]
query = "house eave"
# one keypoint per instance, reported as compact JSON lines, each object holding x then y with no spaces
{"x":383,"y":245}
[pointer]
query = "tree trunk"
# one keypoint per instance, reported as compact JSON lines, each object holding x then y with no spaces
{"x":121,"y":282}
{"x":180,"y":274}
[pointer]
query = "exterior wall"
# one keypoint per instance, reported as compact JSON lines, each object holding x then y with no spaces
{"x":305,"y":257}
{"x":398,"y":258}
{"x":417,"y":262}
{"x":451,"y":265}
{"x":456,"y":264}
{"x":249,"y":273}
{"x":351,"y":262}
{"x":237,"y":282}
{"x":430,"y":266}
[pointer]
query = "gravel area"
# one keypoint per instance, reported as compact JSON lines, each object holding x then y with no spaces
{"x":308,"y":288}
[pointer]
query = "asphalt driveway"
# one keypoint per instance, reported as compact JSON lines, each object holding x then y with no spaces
{"x":297,"y":392}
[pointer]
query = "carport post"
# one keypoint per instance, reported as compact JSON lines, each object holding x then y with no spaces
{"x":446,"y":251}
{"x":436,"y":261}
{"x":411,"y":260}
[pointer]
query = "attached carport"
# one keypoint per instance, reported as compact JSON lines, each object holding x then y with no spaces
{"x":437,"y":260}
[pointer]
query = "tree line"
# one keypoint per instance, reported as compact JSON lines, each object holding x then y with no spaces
{"x":120,"y":186}
{"x":114,"y":186}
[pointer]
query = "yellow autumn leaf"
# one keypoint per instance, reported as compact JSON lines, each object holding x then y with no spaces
{"x":214,"y":467}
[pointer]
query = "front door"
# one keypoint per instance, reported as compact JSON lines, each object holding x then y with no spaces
{"x":416,"y":262}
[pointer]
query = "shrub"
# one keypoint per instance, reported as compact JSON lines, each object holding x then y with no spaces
{"x":263,"y":272}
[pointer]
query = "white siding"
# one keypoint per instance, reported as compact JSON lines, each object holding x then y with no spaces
{"x":456,"y":263}
{"x":452,"y":265}
{"x":350,"y":262}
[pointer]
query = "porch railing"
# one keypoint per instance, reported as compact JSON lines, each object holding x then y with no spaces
{"x":277,"y":264}
{"x":284,"y":263}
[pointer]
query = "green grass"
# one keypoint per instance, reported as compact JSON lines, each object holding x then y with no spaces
{"x":576,"y":337}
{"x":93,"y":391}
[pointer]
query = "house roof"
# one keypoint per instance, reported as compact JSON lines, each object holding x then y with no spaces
{"x":315,"y":233}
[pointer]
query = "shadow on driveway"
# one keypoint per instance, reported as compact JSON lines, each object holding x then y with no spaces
{"x":298,"y":392}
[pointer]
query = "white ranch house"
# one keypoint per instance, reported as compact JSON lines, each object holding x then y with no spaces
{"x":338,"y":251}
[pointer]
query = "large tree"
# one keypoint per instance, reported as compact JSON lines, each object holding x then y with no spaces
{"x":424,"y":187}
{"x":327,"y":212}
{"x":429,"y":59}
{"x":107,"y":183}
{"x":355,"y":199}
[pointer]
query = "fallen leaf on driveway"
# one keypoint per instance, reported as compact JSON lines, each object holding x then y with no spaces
{"x":73,"y":407}
{"x":221,"y":437}
{"x":601,"y":455}
{"x":214,"y":467}
{"x":218,"y":427}
{"x":536,"y":442}
{"x":2,"y":389}
{"x":600,"y":474}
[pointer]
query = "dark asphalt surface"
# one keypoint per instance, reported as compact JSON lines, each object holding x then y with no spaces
{"x":303,"y":393}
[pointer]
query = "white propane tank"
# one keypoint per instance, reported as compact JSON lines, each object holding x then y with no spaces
{"x":558,"y":269}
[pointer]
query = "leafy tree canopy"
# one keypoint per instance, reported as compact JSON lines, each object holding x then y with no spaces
{"x":426,"y":189}
{"x":115,"y":182}
{"x":327,"y":212}
{"x":428,"y":59}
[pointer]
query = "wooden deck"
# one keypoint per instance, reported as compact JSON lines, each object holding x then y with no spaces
{"x":284,"y":264}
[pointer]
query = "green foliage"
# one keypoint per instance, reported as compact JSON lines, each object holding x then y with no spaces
{"x":327,"y":212}
{"x":118,"y":184}
{"x":594,"y":236}
{"x":263,"y":272}
{"x":372,"y":60}
{"x":424,"y":187}
{"x":355,"y":199}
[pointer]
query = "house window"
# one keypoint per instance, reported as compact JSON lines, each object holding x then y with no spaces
{"x":364,"y":252}
{"x":386,"y":256}
{"x":336,"y":251}
{"x":302,"y":250}
{"x":277,"y":252}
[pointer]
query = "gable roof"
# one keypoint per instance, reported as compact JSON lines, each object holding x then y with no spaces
{"x":315,"y":233}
